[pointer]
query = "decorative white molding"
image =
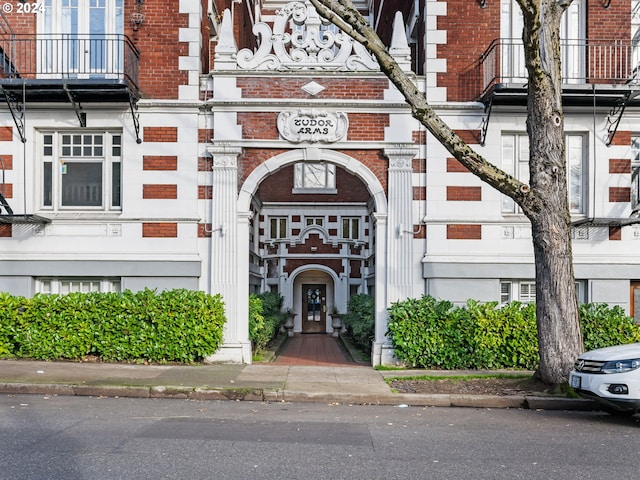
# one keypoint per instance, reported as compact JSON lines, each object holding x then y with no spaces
{"x":312,"y":125}
{"x":399,"y":44}
{"x":313,"y":88}
{"x":301,"y":40}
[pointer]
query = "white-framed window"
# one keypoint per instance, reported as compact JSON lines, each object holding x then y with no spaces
{"x":521,"y":291}
{"x":277,"y":227}
{"x":572,"y":35}
{"x":351,"y":228}
{"x":515,"y":161}
{"x":78,"y":38}
{"x":314,"y":177}
{"x":64,"y":285}
{"x":81,"y":170}
{"x":319,"y":221}
{"x":525,"y":291}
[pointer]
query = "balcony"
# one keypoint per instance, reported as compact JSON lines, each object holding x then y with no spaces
{"x":602,"y":69}
{"x":62,"y":68}
{"x":102,"y":65}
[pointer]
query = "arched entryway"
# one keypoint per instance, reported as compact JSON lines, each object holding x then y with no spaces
{"x":317,"y":243}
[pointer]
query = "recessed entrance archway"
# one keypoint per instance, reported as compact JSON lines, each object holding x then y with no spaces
{"x":288,"y":257}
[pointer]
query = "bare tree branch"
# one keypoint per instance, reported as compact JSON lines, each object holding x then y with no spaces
{"x":347,"y":18}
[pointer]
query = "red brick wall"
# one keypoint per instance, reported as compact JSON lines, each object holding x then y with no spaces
{"x":372,"y":159}
{"x":160,"y":134}
{"x":205,"y":164}
{"x":622,"y":138}
{"x":335,"y":88}
{"x":6,"y":135}
{"x":620,"y":165}
{"x":613,"y":23}
{"x":157,"y":40}
{"x":470,"y":29}
{"x":7,"y":161}
{"x":277,"y":188}
{"x":6,"y":189}
{"x":464,"y":232}
{"x":454,"y":166}
{"x":615,"y":233}
{"x":160,"y":191}
{"x":204,"y":230}
{"x":205,"y":192}
{"x":471,"y":194}
{"x":333,"y":264}
{"x":160,"y":162}
{"x":619,"y":194}
{"x":259,"y":125}
{"x":367,"y":126}
{"x":205,"y":135}
{"x":160,"y":230}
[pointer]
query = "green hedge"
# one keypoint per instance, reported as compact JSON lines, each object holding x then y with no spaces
{"x":360,"y":322}
{"x":265,"y":319}
{"x":430,"y":333}
{"x":172,"y":326}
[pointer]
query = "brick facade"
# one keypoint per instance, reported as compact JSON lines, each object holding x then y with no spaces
{"x":160,"y":134}
{"x":160,"y":162}
{"x":160,"y":191}
{"x":464,"y":232}
{"x":159,"y":230}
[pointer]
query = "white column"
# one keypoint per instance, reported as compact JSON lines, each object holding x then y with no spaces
{"x":229,"y":254}
{"x":400,"y":223}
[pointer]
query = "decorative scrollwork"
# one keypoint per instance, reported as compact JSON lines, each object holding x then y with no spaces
{"x":301,"y":40}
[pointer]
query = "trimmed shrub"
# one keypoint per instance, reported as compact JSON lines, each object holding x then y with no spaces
{"x":265,"y":319}
{"x":604,"y":326}
{"x":430,"y":333}
{"x":172,"y":326}
{"x":360,"y":321}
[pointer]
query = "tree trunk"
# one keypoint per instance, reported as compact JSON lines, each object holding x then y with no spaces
{"x":559,"y":337}
{"x":545,"y":200}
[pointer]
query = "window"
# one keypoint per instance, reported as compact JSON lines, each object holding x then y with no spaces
{"x":515,"y":161}
{"x":77,"y":38}
{"x":524,"y":292}
{"x":277,"y":227}
{"x":315,"y":177}
{"x":319,"y":221}
{"x":81,"y":171}
{"x":351,"y":228}
{"x":82,"y":285}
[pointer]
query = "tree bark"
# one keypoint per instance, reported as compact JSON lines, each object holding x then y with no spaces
{"x":559,"y":338}
{"x":545,"y":200}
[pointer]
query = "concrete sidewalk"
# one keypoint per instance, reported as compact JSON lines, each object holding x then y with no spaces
{"x":257,"y":382}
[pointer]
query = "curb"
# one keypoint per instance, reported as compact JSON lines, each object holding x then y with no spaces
{"x":277,"y":395}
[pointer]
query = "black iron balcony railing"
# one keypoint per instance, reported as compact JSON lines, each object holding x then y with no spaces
{"x":597,"y":62}
{"x":62,"y":56}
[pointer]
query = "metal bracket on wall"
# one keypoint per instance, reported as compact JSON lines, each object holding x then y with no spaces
{"x":16,"y":107}
{"x":82,"y":116}
{"x":615,"y":114}
{"x":485,"y":121}
{"x":133,"y":104}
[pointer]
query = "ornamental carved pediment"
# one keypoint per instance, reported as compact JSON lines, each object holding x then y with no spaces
{"x":302,"y":40}
{"x":312,"y":125}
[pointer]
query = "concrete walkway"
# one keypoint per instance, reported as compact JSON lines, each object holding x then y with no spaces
{"x":258,"y":382}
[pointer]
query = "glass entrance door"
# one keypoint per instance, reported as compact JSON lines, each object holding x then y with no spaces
{"x":314,"y":308}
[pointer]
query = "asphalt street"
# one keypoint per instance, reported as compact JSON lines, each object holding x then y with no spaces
{"x":71,"y":437}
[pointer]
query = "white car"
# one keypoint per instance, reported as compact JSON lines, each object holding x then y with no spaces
{"x":611,"y":377}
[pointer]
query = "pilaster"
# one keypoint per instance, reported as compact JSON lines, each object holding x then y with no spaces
{"x":230,"y":229}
